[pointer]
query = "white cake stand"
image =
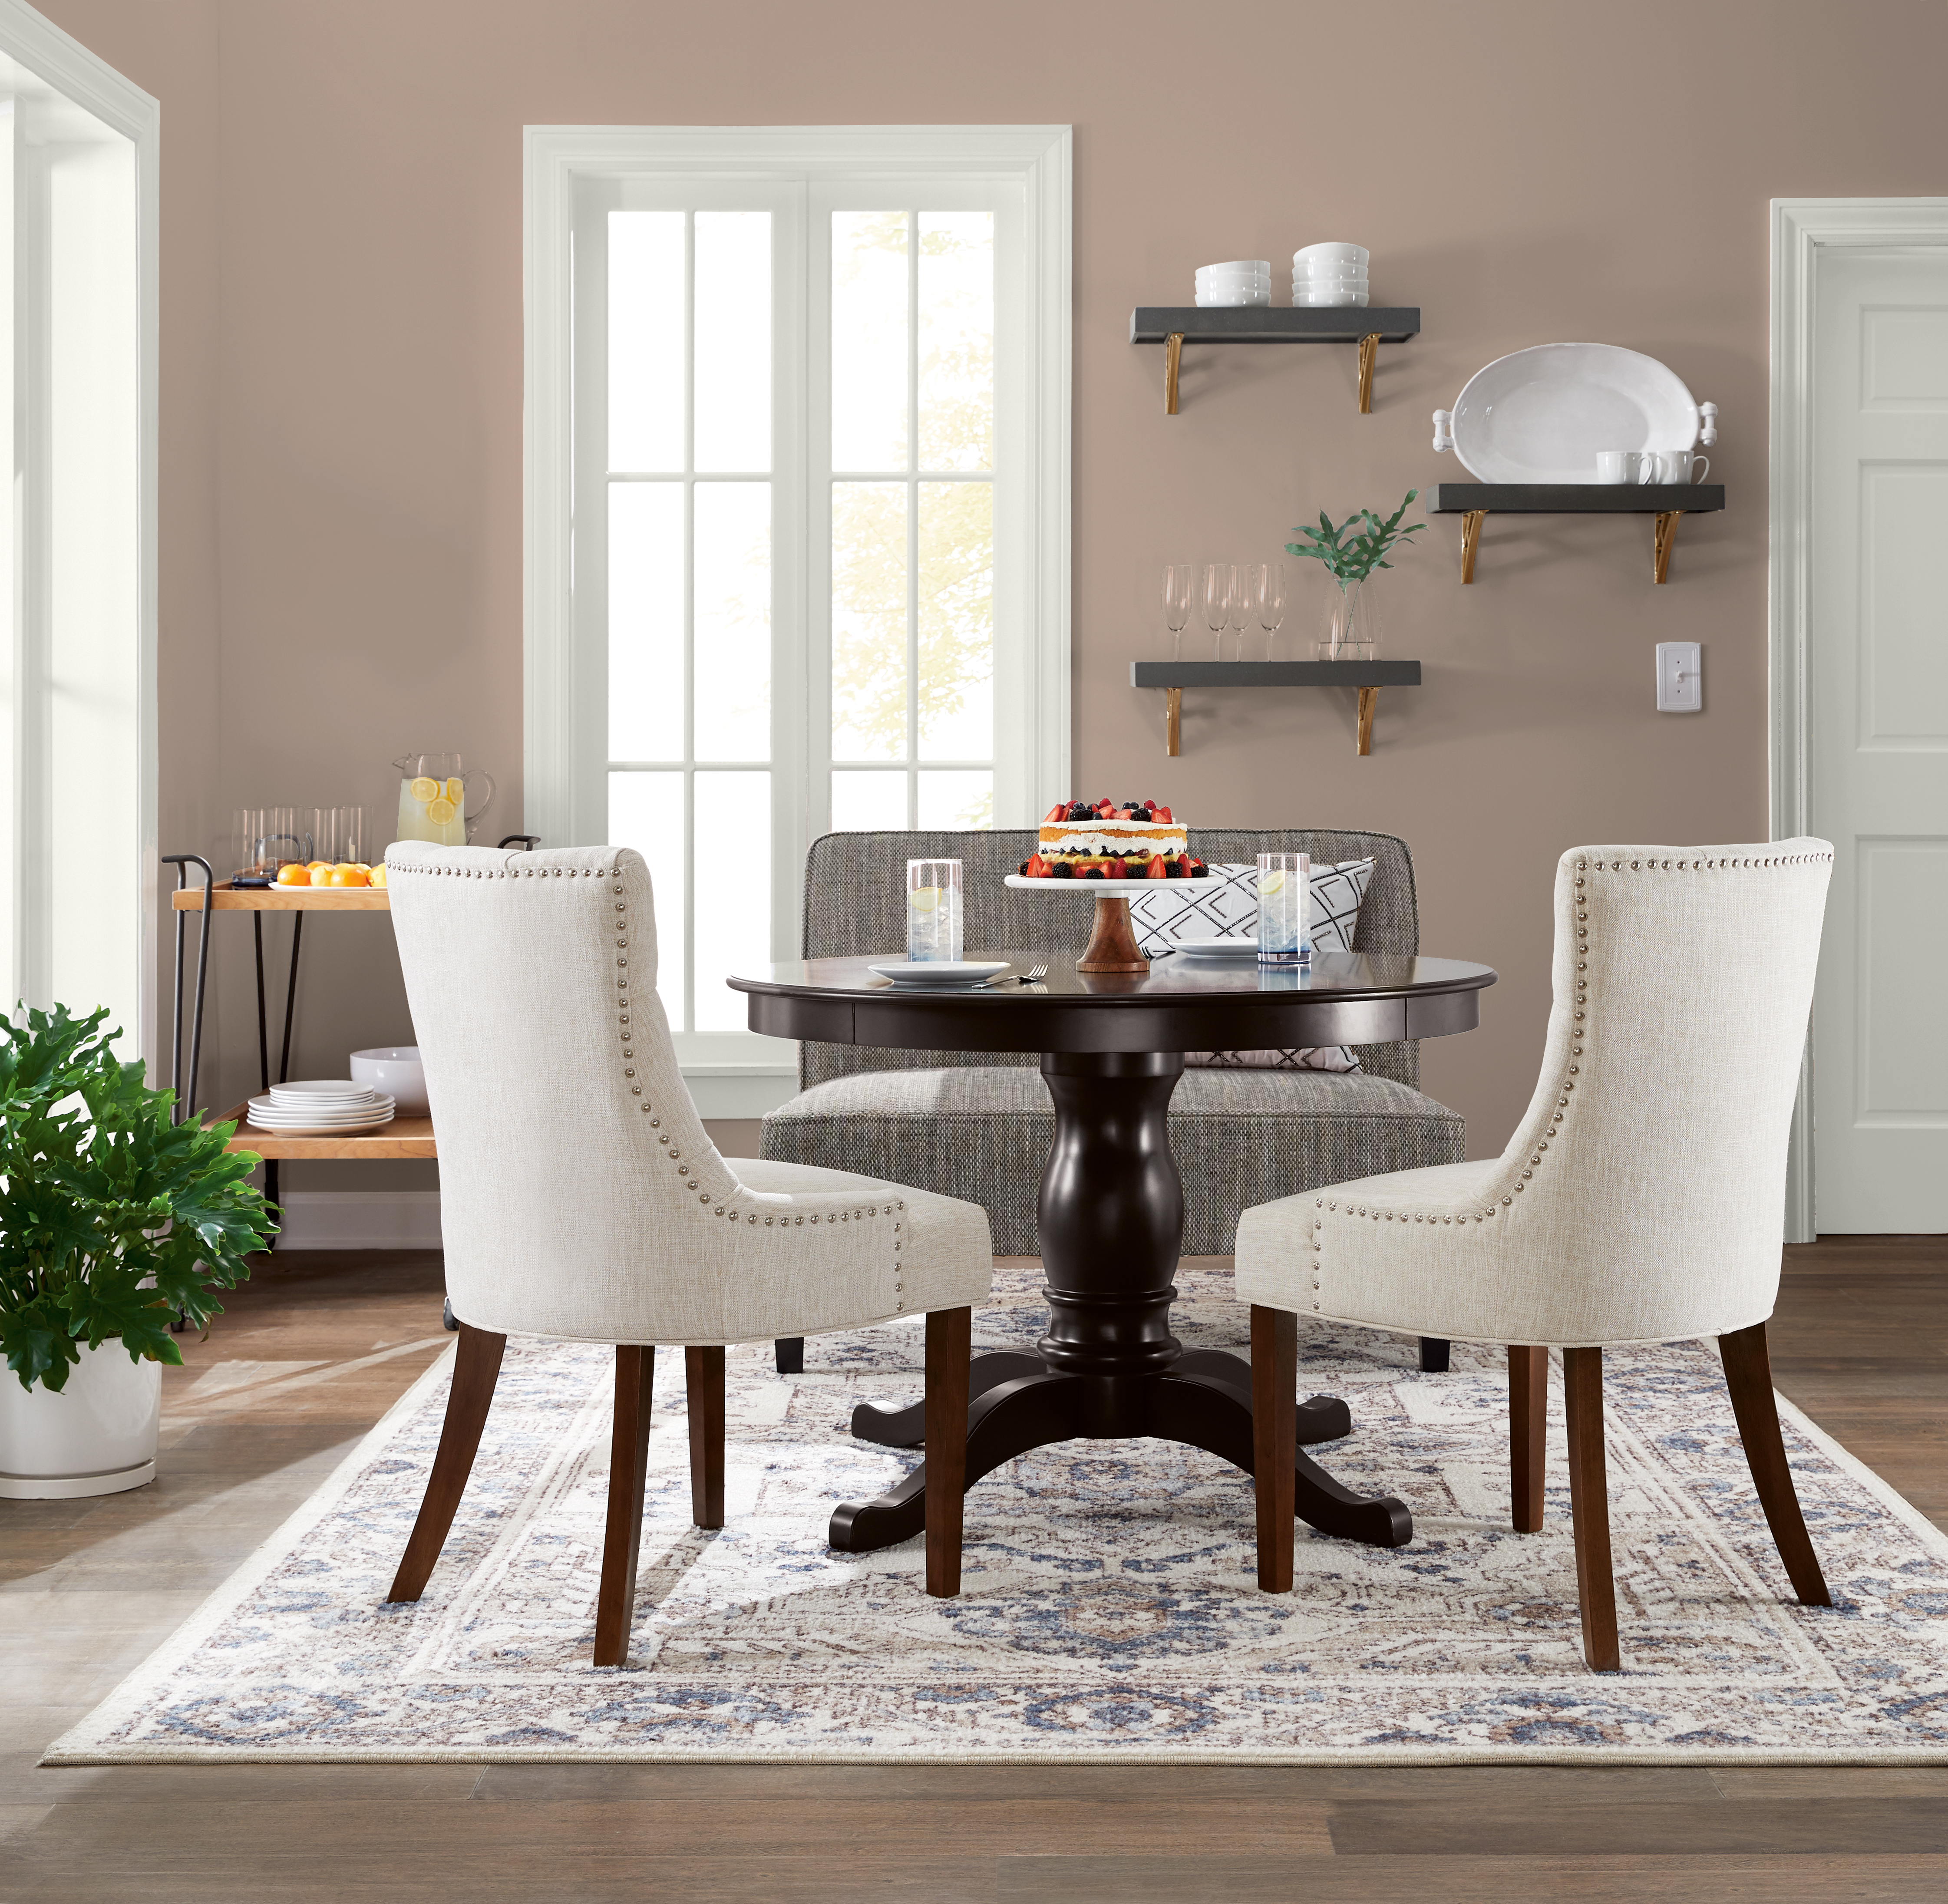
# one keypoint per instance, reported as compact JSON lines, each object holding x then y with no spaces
{"x":1112,"y":942}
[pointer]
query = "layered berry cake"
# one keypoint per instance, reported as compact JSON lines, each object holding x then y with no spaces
{"x":1135,"y":840}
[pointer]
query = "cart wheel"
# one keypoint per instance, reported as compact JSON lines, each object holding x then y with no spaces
{"x":447,"y":1318}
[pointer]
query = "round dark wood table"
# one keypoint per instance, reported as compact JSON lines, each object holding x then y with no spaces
{"x":1111,"y":1207}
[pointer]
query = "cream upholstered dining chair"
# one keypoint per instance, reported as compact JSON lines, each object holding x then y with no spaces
{"x":1641,"y":1198}
{"x":581,"y":1198}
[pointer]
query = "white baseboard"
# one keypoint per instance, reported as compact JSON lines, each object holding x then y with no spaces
{"x":360,"y":1220}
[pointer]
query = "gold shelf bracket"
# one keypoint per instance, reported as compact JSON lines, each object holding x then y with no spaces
{"x":1173,"y":721}
{"x":1369,"y":698}
{"x":1666,"y":534}
{"x":1370,"y":346}
{"x":1471,"y":520}
{"x":1173,"y":355}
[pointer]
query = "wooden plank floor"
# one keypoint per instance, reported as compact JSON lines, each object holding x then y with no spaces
{"x":317,"y":1347}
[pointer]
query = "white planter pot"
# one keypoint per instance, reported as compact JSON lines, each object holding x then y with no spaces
{"x":97,"y":1436}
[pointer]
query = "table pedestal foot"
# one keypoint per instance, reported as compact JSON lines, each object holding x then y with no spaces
{"x":906,"y":1428}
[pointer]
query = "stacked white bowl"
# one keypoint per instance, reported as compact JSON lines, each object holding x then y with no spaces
{"x":1243,"y":280}
{"x":322,"y":1107}
{"x":1329,"y":273}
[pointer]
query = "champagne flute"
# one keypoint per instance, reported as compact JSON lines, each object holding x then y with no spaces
{"x":1219,"y":578}
{"x":1176,"y":581}
{"x":1271,"y":602}
{"x":1238,"y":613}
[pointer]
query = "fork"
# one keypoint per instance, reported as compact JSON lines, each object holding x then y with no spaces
{"x":1034,"y":975}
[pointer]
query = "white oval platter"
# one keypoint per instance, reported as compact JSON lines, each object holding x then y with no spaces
{"x":1540,"y":415}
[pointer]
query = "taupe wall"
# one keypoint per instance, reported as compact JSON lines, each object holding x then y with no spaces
{"x":342,"y":353}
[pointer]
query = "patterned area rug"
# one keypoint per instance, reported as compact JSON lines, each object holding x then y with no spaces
{"x":1109,"y":1610}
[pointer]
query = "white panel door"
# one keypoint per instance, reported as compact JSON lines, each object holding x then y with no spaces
{"x":1877,"y":678}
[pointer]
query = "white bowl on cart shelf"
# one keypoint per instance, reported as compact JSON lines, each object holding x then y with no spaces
{"x":395,"y":1070}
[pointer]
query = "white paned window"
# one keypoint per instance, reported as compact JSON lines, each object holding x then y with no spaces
{"x":802,"y":480}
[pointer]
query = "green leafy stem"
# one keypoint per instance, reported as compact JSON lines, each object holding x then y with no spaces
{"x":1352,"y":552}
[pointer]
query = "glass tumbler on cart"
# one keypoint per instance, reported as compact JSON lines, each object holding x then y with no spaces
{"x":1284,"y":893}
{"x":933,"y":911}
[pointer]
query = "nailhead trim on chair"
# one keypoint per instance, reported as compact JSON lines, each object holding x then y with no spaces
{"x":1567,"y":1083}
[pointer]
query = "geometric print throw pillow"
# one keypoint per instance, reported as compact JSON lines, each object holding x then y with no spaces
{"x":1161,"y":915}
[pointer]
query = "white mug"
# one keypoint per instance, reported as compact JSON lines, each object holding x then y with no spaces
{"x":1626,"y":466}
{"x":1680,"y":465}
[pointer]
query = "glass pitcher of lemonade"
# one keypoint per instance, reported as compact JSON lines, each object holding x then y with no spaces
{"x":434,"y":790}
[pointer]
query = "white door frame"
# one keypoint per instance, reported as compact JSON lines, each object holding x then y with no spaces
{"x":1801,"y":227}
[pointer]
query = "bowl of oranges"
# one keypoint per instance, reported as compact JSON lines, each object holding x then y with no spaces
{"x":346,"y":876}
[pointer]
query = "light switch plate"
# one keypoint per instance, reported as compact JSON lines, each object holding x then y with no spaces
{"x":1680,"y":677}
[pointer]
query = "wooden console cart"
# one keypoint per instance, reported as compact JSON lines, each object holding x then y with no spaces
{"x":403,"y":1137}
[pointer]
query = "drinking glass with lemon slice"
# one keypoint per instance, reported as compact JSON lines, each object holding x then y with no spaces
{"x":1284,"y":893}
{"x":933,"y":909}
{"x":433,"y":798}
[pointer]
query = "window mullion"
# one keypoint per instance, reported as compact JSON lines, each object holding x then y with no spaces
{"x":690,"y":619}
{"x":913,"y":517}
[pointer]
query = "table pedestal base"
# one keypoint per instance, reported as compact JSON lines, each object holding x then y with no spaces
{"x":1111,"y":1219}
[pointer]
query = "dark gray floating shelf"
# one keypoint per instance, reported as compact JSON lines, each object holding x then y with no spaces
{"x":1369,"y":326}
{"x":1368,"y":677}
{"x":1473,"y":501}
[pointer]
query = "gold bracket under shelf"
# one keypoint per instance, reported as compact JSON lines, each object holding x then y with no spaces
{"x":1172,"y":356}
{"x":1369,"y":698}
{"x":1471,"y":520}
{"x":1173,"y":721}
{"x":1369,"y":347}
{"x":1666,"y":534}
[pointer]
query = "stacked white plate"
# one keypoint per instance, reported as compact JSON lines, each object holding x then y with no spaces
{"x":1329,"y":273}
{"x":322,"y":1107}
{"x":1243,"y":280}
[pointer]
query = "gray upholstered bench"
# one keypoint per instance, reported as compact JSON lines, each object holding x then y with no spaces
{"x":978,"y":1125}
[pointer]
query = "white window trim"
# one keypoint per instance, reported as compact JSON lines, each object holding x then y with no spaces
{"x":558,"y":803}
{"x":60,"y":61}
{"x":1801,"y":229}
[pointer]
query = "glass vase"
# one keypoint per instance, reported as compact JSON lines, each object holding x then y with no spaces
{"x":1348,"y":634}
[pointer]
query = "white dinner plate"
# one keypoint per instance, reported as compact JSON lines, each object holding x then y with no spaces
{"x":268,"y":1116}
{"x":929,"y":972}
{"x":313,"y":1090}
{"x":1540,"y":415}
{"x":1225,"y":948}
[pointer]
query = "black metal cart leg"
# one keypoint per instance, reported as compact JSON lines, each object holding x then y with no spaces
{"x":182,"y":862}
{"x":263,"y":1050}
{"x":290,"y":998}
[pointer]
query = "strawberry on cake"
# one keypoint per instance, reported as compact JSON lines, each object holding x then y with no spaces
{"x":1136,"y":840}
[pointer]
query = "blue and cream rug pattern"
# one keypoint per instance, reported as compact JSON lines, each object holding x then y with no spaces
{"x":1109,"y":1611}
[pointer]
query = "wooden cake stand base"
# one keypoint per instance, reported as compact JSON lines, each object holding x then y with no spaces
{"x":1113,"y":940}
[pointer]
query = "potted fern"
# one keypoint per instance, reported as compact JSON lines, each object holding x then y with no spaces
{"x":1351,"y":554}
{"x":113,"y":1222}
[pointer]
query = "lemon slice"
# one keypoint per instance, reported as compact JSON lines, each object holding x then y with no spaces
{"x":379,"y":874}
{"x":425,"y":788}
{"x":1270,"y":885}
{"x":456,"y":789}
{"x":924,"y":899}
{"x":440,"y":809}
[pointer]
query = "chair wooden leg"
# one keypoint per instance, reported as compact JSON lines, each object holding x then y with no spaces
{"x":1748,"y":1375}
{"x":1589,"y":1506}
{"x":950,"y":1335}
{"x":1436,"y":1355}
{"x":477,"y":1368}
{"x":1274,"y":1440}
{"x":628,"y":1474}
{"x":789,"y":1353}
{"x":1529,"y":1435}
{"x":704,"y":1381}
